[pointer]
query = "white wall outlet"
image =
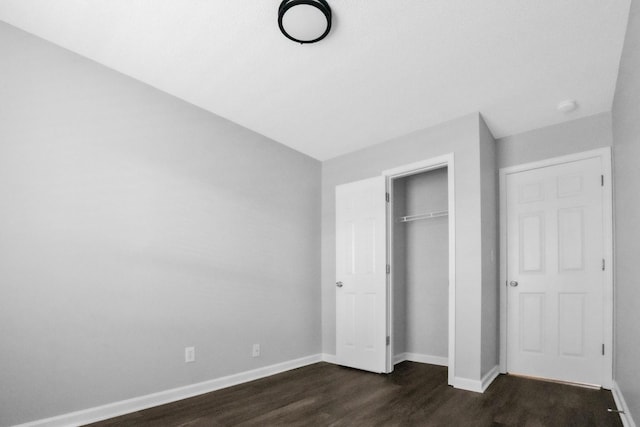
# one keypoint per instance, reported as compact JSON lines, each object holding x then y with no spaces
{"x":189,"y":354}
{"x":256,"y":350}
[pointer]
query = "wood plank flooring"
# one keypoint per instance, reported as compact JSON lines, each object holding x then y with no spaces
{"x":414,"y":395}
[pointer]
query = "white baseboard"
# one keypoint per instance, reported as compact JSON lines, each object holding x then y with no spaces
{"x":627,"y":420}
{"x":399,"y":358}
{"x":479,"y":386}
{"x":467,"y":384}
{"x":488,"y":378}
{"x":122,"y":407}
{"x":420,"y":358}
{"x":329,"y":358}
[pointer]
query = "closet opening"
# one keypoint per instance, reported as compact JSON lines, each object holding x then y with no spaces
{"x":421,"y":253}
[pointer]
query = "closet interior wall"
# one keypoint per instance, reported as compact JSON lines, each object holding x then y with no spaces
{"x":420,"y":266}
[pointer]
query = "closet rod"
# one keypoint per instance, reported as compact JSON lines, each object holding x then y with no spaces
{"x":427,"y":215}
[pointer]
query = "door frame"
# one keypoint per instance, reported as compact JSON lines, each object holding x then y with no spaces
{"x":604,"y":154}
{"x":439,"y":162}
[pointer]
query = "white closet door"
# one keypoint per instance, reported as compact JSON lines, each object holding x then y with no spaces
{"x":554,"y":267}
{"x":361,"y":278}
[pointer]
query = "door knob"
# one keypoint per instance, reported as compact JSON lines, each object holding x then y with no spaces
{"x":339,"y":284}
{"x":513,"y":283}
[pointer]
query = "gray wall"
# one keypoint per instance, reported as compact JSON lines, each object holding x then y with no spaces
{"x":626,"y":133}
{"x":460,"y":136}
{"x":490,"y":234}
{"x":575,"y":136}
{"x":421,"y":269}
{"x":427,"y":265}
{"x":134,"y":224}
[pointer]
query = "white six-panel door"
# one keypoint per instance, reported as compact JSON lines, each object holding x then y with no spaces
{"x":361,"y":278}
{"x":555,"y":290}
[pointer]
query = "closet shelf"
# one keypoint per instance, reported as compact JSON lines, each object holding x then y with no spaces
{"x":427,"y":215}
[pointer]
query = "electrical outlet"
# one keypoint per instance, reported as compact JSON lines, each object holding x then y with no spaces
{"x":189,"y":354}
{"x":256,"y":350}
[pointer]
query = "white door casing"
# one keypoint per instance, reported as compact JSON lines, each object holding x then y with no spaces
{"x":556,"y":295}
{"x":447,"y":161}
{"x":361,"y":282}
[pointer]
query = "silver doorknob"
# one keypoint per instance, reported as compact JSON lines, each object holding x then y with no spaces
{"x":339,"y":284}
{"x":513,"y":283}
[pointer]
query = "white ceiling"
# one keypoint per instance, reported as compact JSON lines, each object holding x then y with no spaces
{"x":386,"y":69}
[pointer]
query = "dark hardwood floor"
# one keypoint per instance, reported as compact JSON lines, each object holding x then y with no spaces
{"x":414,"y":395}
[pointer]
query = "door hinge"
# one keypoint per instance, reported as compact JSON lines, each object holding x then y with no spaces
{"x":386,"y":197}
{"x":388,"y":340}
{"x":388,"y":269}
{"x":603,"y":349}
{"x":602,"y":180}
{"x":603,"y":265}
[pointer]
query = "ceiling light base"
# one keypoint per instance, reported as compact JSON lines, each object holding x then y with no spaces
{"x":304,"y":21}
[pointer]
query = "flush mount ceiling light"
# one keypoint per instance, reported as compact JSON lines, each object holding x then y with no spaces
{"x":304,"y":21}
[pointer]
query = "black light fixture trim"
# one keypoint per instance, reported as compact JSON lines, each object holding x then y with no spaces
{"x":321,"y":5}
